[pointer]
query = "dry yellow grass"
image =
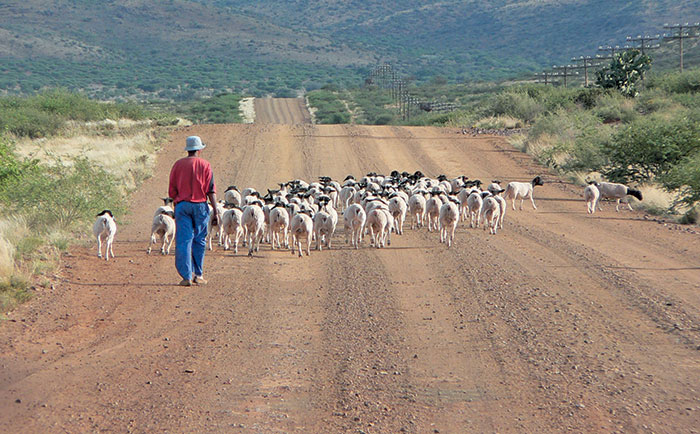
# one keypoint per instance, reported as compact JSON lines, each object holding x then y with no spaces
{"x":11,"y":230}
{"x":499,"y":122}
{"x":123,"y":148}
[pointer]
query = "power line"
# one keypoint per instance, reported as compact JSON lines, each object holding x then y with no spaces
{"x":586,"y":64}
{"x":565,"y":71}
{"x":681,"y":32}
{"x":645,"y":42}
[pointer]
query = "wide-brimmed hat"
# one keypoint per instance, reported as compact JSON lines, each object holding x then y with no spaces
{"x":194,"y":143}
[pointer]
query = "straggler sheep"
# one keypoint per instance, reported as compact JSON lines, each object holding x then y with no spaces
{"x":524,"y":190}
{"x":232,"y":227}
{"x":612,"y":190}
{"x":502,"y":204}
{"x":449,"y":217}
{"x":104,"y":229}
{"x":163,"y":226}
{"x":302,"y":227}
{"x":490,"y":212}
{"x":591,"y":195}
{"x":354,"y":218}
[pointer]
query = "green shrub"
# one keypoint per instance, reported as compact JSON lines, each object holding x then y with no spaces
{"x":649,"y":147}
{"x":517,"y":105}
{"x":677,"y":82}
{"x":685,"y":178}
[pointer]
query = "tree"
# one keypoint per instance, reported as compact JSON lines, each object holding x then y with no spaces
{"x":625,"y":69}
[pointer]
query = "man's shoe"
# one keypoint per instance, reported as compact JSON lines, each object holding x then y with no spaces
{"x":185,"y":282}
{"x":199,"y":280}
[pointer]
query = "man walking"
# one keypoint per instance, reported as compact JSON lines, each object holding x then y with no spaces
{"x":191,"y":183}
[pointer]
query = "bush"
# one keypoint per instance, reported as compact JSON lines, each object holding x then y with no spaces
{"x":517,"y":105}
{"x":649,"y":147}
{"x":685,"y":178}
{"x":678,"y":82}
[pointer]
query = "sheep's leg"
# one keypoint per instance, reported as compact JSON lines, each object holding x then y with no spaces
{"x":99,"y":246}
{"x":532,"y":199}
{"x":617,"y":205}
{"x":308,"y":246}
{"x":318,"y":242}
{"x":150,"y":244}
{"x":110,"y":242}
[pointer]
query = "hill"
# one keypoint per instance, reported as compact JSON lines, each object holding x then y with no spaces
{"x":177,"y":49}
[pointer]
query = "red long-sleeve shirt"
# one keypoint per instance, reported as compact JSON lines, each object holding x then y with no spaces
{"x":191,"y":179}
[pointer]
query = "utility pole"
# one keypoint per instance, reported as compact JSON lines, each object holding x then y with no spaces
{"x":680,"y":32}
{"x":645,"y":42}
{"x":546,"y":76}
{"x":612,"y":50}
{"x":565,"y":71}
{"x":586,"y":63}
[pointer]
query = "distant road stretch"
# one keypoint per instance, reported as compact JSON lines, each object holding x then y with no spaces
{"x":281,"y":111}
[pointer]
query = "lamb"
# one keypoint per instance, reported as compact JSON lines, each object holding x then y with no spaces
{"x":354,"y":217}
{"x":474,"y":205}
{"x":347,"y":195}
{"x":254,"y":222}
{"x":490,"y":212}
{"x":612,"y":190}
{"x":163,"y":226}
{"x":232,"y":227}
{"x":524,"y":190}
{"x":105,"y":228}
{"x":302,"y":227}
{"x":591,"y":194}
{"x":449,"y":217}
{"x":279,"y":225}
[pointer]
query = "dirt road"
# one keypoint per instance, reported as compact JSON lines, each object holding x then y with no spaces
{"x":281,"y":111}
{"x":561,"y":322}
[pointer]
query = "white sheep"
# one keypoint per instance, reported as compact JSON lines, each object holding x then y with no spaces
{"x":232,"y":196}
{"x":376,"y":224}
{"x":612,"y":190}
{"x":279,"y":225}
{"x":591,"y":194}
{"x":354,"y":218}
{"x":302,"y":227}
{"x":490,"y":213}
{"x":416,"y":208}
{"x":398,"y":209}
{"x":254,"y":222}
{"x":232,"y":227}
{"x":163,"y":226}
{"x":324,"y":223}
{"x":432,"y":211}
{"x":524,"y":190}
{"x":105,"y":228}
{"x":449,"y":217}
{"x":474,"y":205}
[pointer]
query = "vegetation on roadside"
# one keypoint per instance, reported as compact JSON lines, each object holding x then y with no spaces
{"x":47,"y":113}
{"x":89,"y":157}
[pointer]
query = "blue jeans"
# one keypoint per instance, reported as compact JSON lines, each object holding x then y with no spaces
{"x":190,"y":238}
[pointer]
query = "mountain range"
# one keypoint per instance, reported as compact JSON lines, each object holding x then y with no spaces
{"x":177,"y":49}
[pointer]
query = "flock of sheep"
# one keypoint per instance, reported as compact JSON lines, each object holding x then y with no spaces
{"x":296,"y":213}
